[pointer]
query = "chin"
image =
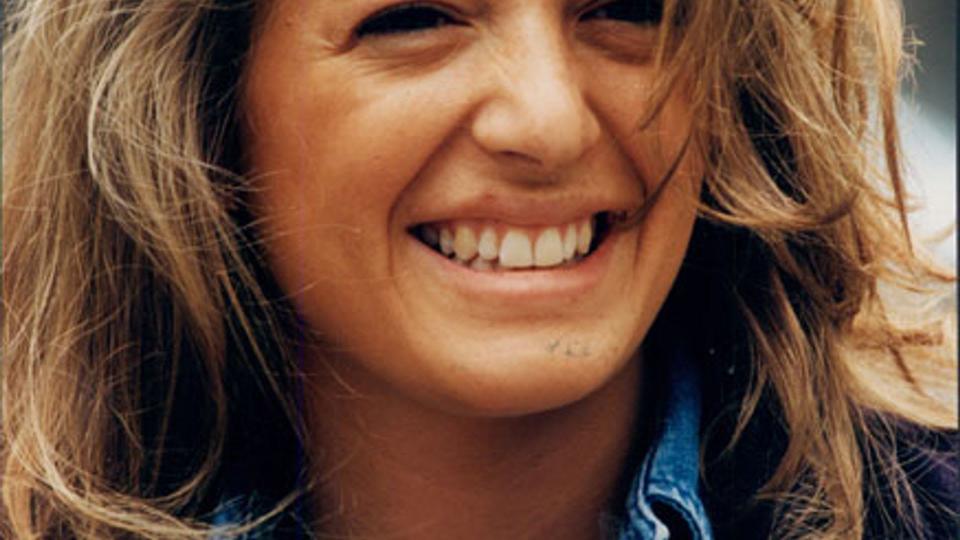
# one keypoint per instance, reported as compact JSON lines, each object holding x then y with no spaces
{"x":525,"y":373}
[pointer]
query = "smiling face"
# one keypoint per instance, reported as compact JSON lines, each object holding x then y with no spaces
{"x":436,"y":183}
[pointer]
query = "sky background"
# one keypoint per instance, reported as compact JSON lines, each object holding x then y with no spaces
{"x":929,"y":122}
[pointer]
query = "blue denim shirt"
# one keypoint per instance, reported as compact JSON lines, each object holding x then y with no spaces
{"x":663,"y":501}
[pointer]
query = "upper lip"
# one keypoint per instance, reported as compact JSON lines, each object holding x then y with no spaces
{"x":526,"y":210}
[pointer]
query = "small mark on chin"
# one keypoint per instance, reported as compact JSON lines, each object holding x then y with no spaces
{"x":568,"y":349}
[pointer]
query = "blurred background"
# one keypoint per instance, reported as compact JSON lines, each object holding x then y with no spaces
{"x":929,"y":124}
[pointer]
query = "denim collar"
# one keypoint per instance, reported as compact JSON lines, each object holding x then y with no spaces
{"x":664,"y":502}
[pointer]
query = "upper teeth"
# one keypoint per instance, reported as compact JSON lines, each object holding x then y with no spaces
{"x":489,"y":245}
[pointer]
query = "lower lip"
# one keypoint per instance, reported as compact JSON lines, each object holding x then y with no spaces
{"x":533,"y":285}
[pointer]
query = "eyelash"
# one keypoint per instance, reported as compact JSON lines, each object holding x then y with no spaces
{"x":405,"y":19}
{"x":419,"y":17}
{"x":638,"y":12}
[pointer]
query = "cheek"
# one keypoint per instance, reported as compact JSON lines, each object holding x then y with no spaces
{"x":622,"y":95}
{"x":667,"y":228}
{"x":333,"y":157}
{"x":665,"y":232}
{"x":348,"y":137}
{"x":326,"y":163}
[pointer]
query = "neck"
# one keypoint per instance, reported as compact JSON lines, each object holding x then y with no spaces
{"x":388,"y":466}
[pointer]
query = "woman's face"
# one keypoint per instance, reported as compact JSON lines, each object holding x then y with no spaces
{"x":435,"y":184}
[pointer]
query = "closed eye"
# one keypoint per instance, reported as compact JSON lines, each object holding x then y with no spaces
{"x":639,"y":12}
{"x":404,"y":19}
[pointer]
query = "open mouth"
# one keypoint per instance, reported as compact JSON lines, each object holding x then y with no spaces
{"x":495,"y":246}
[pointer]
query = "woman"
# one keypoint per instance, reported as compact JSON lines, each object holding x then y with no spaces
{"x":467,"y":269}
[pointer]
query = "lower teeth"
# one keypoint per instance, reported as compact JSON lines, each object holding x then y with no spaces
{"x":483,"y":265}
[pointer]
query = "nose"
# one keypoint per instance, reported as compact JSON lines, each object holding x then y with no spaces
{"x":536,"y":109}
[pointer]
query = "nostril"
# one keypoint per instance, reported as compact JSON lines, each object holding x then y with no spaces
{"x":520,"y":157}
{"x":515,"y":154}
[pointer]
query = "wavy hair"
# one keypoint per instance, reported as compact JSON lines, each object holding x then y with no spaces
{"x":134,"y":298}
